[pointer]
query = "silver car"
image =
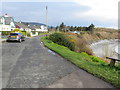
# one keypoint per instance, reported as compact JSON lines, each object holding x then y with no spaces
{"x":16,"y":37}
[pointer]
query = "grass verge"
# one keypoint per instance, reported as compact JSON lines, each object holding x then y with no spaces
{"x":86,"y":62}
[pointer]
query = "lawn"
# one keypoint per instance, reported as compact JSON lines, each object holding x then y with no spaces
{"x":89,"y":63}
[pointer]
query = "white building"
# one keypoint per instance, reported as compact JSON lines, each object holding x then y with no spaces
{"x":6,"y":23}
{"x":22,"y":27}
{"x":39,"y":28}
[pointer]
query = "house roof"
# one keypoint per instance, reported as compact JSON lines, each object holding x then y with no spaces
{"x":34,"y":27}
{"x":21,"y":25}
{"x":7,"y":19}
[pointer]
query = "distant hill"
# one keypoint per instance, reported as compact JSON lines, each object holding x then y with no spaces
{"x":33,"y":23}
{"x":36,"y":23}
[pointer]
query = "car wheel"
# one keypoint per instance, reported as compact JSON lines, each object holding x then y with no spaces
{"x":20,"y":41}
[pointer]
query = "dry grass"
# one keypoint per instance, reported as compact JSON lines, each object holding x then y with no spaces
{"x":82,"y":46}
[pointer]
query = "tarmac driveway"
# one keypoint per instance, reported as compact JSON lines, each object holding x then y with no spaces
{"x":30,"y":65}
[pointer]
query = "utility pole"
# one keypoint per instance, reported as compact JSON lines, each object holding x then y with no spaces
{"x":47,"y":17}
{"x":0,"y":7}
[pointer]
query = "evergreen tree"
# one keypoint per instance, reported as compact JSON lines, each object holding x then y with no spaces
{"x":91,"y":28}
{"x":62,"y":27}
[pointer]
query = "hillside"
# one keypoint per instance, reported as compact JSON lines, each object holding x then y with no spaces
{"x":100,"y":34}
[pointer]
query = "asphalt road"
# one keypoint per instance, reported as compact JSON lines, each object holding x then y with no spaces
{"x":30,"y":65}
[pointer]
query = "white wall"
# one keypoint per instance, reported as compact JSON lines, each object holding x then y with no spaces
{"x":12,"y":24}
{"x":2,"y":20}
{"x":5,"y":28}
{"x":41,"y":30}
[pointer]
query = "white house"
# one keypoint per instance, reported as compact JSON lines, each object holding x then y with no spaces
{"x":22,"y":26}
{"x":39,"y":28}
{"x":6,"y":23}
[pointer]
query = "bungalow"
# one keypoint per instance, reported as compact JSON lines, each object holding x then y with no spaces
{"x":6,"y":23}
{"x":39,"y":28}
{"x":36,"y":29}
{"x":22,"y":27}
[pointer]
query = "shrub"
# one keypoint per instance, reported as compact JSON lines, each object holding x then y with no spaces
{"x":28,"y":34}
{"x":5,"y":33}
{"x":96,"y":59}
{"x":16,"y":30}
{"x":62,"y":39}
{"x":98,"y":34}
{"x":19,"y":31}
{"x":118,"y":65}
{"x":34,"y":32}
{"x":24,"y":33}
{"x":72,"y":41}
{"x":81,"y":46}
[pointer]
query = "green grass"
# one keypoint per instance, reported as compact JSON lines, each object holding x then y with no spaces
{"x":42,"y":33}
{"x":86,"y":62}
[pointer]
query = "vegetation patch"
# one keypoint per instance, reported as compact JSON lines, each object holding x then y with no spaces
{"x":42,"y":33}
{"x":4,"y":33}
{"x":19,"y":31}
{"x":87,"y":62}
{"x":72,"y":41}
{"x":62,"y":39}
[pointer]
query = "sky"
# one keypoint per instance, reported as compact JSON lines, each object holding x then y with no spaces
{"x":101,"y":13}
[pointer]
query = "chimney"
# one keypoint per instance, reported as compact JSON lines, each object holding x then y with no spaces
{"x":6,"y":15}
{"x":20,"y":22}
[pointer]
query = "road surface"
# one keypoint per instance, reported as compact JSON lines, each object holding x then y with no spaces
{"x":30,"y":65}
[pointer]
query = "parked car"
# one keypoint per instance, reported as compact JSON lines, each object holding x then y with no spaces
{"x":16,"y":37}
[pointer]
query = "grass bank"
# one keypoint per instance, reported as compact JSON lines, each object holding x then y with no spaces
{"x":89,"y":63}
{"x":42,"y":33}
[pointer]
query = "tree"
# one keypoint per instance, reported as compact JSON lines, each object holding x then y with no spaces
{"x":83,"y":28}
{"x":91,"y":28}
{"x":27,"y":23}
{"x":71,"y":28}
{"x":62,"y":27}
{"x":57,"y":28}
{"x":75,"y":28}
{"x":79,"y":28}
{"x":51,"y":27}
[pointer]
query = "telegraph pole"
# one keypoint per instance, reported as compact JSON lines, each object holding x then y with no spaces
{"x":0,"y":7}
{"x":47,"y":17}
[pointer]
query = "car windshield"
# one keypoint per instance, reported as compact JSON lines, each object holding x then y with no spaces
{"x":13,"y":34}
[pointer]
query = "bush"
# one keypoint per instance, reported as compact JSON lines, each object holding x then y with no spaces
{"x":98,"y":34}
{"x":28,"y":34}
{"x":62,"y":39}
{"x":72,"y":41}
{"x":81,"y":46}
{"x":16,"y":30}
{"x":19,"y":31}
{"x":5,"y":33}
{"x":24,"y":33}
{"x":34,"y":32}
{"x":96,"y":59}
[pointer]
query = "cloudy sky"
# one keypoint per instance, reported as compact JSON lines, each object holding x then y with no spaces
{"x":102,"y":13}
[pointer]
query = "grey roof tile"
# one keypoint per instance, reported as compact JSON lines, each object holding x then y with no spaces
{"x":34,"y":27}
{"x":8,"y":20}
{"x":21,"y":25}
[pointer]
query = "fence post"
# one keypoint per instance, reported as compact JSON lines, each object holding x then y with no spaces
{"x":112,"y":62}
